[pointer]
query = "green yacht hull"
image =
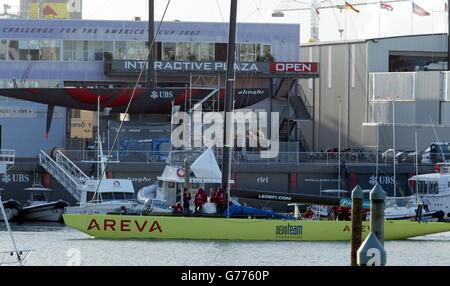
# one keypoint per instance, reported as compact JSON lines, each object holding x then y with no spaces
{"x":199,"y":228}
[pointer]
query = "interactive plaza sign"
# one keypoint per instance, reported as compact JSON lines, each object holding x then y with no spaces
{"x":120,"y":67}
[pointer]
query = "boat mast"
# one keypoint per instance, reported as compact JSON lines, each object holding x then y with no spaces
{"x":226,"y":162}
{"x":448,"y":36}
{"x":151,"y":79}
{"x":10,"y":232}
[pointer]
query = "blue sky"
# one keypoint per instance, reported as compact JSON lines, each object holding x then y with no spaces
{"x":365,"y":24}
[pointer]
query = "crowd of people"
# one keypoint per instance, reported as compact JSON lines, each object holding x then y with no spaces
{"x":218,"y":197}
{"x":340,"y":213}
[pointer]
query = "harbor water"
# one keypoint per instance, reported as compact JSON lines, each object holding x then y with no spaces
{"x":58,"y":245}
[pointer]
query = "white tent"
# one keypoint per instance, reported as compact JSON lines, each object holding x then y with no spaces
{"x":206,"y":167}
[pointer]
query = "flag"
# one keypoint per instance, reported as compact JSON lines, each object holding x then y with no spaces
{"x":350,"y":7}
{"x":419,"y":10}
{"x":386,"y":6}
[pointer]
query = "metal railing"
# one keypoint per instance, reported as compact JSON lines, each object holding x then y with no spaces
{"x":7,"y":156}
{"x":61,"y":175}
{"x":70,"y":167}
{"x":241,"y":157}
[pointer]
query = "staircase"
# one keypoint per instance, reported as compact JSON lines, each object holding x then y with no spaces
{"x":298,"y":109}
{"x":65,"y":172}
{"x":286,"y":127}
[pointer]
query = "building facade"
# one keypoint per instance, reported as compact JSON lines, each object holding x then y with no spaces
{"x":365,"y":80}
{"x":60,"y":53}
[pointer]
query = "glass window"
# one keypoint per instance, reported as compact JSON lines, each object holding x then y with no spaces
{"x":27,"y":50}
{"x":266,"y":54}
{"x":120,"y":52}
{"x":204,"y":51}
{"x":50,"y":50}
{"x":129,"y":196}
{"x":75,"y":50}
{"x":119,"y":196}
{"x":168,"y":51}
{"x":184,"y":52}
{"x":13,"y":50}
{"x":3,"y":49}
{"x":248,"y":52}
{"x":107,"y":197}
{"x":136,"y":50}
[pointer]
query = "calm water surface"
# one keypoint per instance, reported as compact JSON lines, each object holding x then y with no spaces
{"x":56,"y":244}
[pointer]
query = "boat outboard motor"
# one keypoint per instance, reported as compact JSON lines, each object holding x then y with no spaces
{"x":146,"y":193}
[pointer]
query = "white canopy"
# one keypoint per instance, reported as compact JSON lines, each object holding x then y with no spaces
{"x":206,"y":167}
{"x":433,"y":177}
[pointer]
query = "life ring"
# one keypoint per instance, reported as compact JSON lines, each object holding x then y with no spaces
{"x":180,"y":173}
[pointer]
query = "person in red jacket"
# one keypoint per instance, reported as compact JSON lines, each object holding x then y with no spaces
{"x":309,"y":214}
{"x":177,"y":208}
{"x":199,"y":201}
{"x":220,"y":201}
{"x":212,"y":195}
{"x":204,"y":196}
{"x":186,"y":200}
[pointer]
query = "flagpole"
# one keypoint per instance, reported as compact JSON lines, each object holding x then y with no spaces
{"x":448,"y":35}
{"x":345,"y":24}
{"x":432,"y":20}
{"x":379,"y":20}
{"x":412,"y":17}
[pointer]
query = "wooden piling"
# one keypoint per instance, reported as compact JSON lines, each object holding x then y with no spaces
{"x":357,"y":202}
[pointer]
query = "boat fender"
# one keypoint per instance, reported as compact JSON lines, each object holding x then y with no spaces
{"x":180,"y":173}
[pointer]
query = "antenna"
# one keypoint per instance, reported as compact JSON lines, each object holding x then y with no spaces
{"x":437,"y":138}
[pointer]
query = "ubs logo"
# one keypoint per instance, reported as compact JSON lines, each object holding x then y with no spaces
{"x":15,"y":178}
{"x":262,"y":180}
{"x":161,"y":94}
{"x":383,"y":180}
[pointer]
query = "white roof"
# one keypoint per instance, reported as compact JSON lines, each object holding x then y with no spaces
{"x":432,"y":177}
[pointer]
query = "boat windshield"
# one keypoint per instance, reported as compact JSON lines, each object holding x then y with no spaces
{"x":117,"y":196}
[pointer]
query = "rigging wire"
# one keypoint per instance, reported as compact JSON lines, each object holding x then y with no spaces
{"x":131,"y":98}
{"x":220,"y":10}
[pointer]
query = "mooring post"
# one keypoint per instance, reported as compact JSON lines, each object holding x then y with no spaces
{"x":377,"y":197}
{"x":371,"y":252}
{"x":357,"y":202}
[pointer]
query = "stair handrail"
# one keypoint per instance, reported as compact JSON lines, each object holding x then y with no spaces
{"x":277,"y":86}
{"x":301,"y":93}
{"x":78,"y":173}
{"x":53,"y":168}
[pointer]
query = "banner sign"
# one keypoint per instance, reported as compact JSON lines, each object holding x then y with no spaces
{"x":120,"y":67}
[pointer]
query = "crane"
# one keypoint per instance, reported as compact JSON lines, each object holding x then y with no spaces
{"x":314,"y":7}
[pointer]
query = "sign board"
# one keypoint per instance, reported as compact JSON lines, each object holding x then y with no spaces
{"x":81,"y":129}
{"x":120,"y":67}
{"x":55,"y":9}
